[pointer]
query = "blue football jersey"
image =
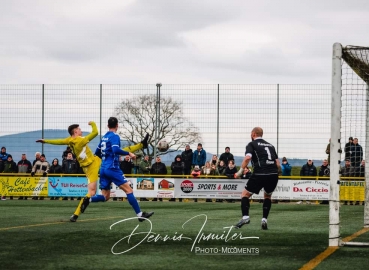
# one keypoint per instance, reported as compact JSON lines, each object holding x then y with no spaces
{"x":108,"y":157}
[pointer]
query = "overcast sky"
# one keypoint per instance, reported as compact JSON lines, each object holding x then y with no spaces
{"x":168,"y":41}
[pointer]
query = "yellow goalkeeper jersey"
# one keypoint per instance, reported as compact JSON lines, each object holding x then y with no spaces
{"x":79,"y":146}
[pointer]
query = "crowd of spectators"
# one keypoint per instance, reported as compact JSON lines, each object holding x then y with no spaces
{"x":189,"y":163}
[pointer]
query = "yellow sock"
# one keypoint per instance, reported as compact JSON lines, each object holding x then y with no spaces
{"x":78,"y":210}
{"x":133,"y":148}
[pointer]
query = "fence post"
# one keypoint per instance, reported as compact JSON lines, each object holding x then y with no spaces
{"x":43,"y":116}
{"x":218,"y":123}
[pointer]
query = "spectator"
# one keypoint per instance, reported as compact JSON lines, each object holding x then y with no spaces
{"x":308,"y":169}
{"x":3,"y":154}
{"x":356,"y":154}
{"x":144,"y":168}
{"x":55,"y":167}
{"x":24,"y":166}
{"x":226,"y":156}
{"x":209,"y":169}
{"x":187,"y":157}
{"x":328,"y":151}
{"x":324,"y":169}
{"x":286,"y":167}
{"x":66,"y":152}
{"x":69,"y":165}
{"x":246,"y":173}
{"x":41,"y":167}
{"x":139,"y":155}
{"x":221,"y":167}
{"x":360,"y":172}
{"x":196,"y":172}
{"x":348,"y":148}
{"x":158,"y":168}
{"x":177,"y":168}
{"x":126,"y":165}
{"x":145,"y":165}
{"x":214,"y":161}
{"x":199,"y":156}
{"x":10,"y":166}
{"x":347,"y":171}
{"x":37,"y":158}
{"x":231,"y":169}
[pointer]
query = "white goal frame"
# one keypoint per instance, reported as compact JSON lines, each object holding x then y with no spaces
{"x":335,"y":153}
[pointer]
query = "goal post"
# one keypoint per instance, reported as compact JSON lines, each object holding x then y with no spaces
{"x":349,"y":117}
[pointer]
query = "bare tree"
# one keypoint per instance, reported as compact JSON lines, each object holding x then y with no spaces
{"x":137,"y":116}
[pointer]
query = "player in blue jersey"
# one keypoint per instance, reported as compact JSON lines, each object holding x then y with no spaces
{"x":109,"y":151}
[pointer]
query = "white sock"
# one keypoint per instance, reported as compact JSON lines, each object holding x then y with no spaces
{"x":245,"y":217}
{"x":139,"y":214}
{"x":264,"y":220}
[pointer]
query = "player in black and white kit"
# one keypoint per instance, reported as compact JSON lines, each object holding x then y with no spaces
{"x":266,"y":166}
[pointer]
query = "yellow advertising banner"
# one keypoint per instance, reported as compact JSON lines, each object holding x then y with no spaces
{"x":352,"y":191}
{"x":23,"y":186}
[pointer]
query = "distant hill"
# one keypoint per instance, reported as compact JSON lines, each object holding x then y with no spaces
{"x":17,"y":144}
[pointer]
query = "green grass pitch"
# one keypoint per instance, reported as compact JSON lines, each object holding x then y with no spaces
{"x":38,"y":235}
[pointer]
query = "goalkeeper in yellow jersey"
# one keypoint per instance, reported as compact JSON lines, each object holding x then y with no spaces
{"x":87,"y":160}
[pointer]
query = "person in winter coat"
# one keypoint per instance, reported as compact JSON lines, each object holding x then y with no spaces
{"x":226,"y":156}
{"x":187,"y":156}
{"x":308,"y":169}
{"x":221,"y":167}
{"x":177,"y":166}
{"x":55,"y":167}
{"x":286,"y":167}
{"x":199,"y":156}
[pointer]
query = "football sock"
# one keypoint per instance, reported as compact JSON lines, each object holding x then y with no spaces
{"x":78,"y":210}
{"x":133,"y":202}
{"x":245,"y":206}
{"x":97,"y":198}
{"x":266,"y":207}
{"x":133,"y":148}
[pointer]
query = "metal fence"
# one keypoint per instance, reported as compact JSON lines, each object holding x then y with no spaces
{"x":295,"y":118}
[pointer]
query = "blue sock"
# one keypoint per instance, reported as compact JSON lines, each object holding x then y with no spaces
{"x":133,"y":202}
{"x":98,"y":198}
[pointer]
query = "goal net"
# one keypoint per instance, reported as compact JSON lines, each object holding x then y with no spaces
{"x":349,"y":146}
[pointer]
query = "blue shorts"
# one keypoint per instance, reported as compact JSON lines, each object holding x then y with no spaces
{"x":111,"y":175}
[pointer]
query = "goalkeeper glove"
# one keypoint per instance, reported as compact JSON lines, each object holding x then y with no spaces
{"x":32,"y":173}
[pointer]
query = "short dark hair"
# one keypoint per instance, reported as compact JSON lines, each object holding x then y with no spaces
{"x":199,"y":144}
{"x":71,"y":129}
{"x":228,"y":148}
{"x":112,"y":122}
{"x":43,"y":155}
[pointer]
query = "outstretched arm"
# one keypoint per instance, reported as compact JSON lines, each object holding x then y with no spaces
{"x":94,"y":132}
{"x":54,"y":141}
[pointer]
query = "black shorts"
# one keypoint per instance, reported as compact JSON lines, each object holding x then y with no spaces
{"x":257,"y":182}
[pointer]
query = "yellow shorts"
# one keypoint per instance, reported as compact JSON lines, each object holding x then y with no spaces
{"x":92,"y":170}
